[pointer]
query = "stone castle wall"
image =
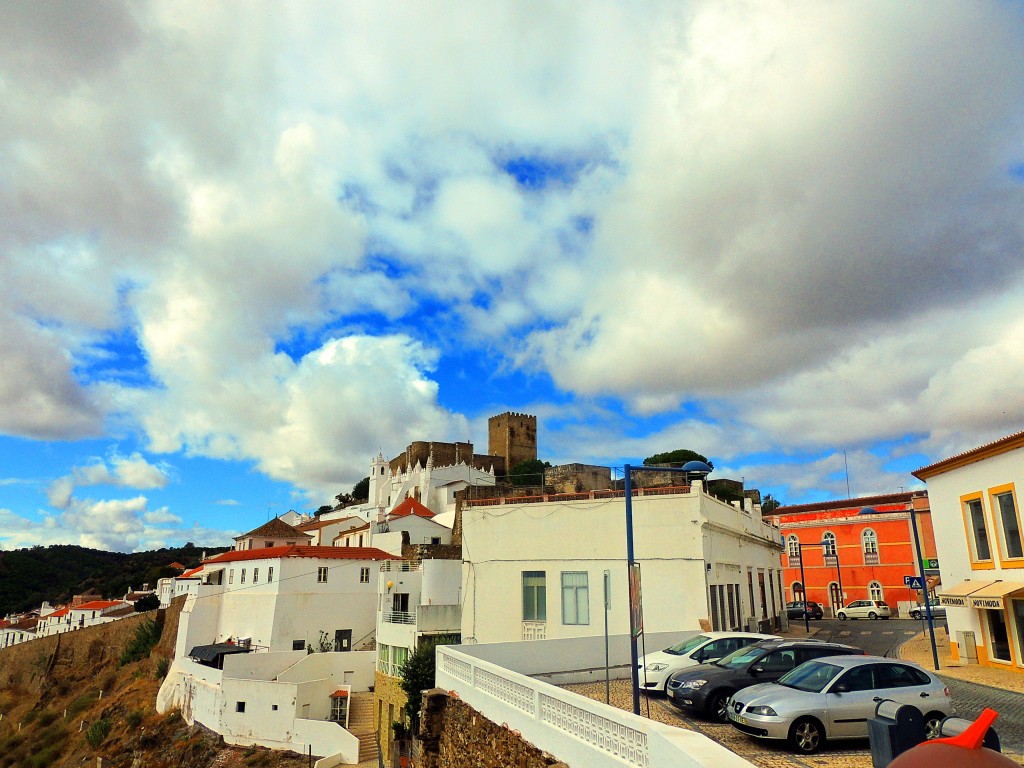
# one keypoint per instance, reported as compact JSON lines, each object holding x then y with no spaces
{"x":514,"y":436}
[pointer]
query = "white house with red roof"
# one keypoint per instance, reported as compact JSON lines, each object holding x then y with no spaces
{"x":273,"y":533}
{"x":55,"y":622}
{"x":410,"y":519}
{"x":18,"y":630}
{"x":98,"y":612}
{"x":324,"y":531}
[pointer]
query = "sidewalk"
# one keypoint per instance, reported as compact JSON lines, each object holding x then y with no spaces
{"x":919,"y":650}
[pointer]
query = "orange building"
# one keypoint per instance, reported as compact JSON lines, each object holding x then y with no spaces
{"x":856,"y":549}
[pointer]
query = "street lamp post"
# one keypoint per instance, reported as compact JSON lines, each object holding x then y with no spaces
{"x":924,"y":585}
{"x":803,"y":578}
{"x":635,"y":626}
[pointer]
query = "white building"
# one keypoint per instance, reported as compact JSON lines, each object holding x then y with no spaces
{"x":273,"y":533}
{"x":433,"y":486}
{"x":324,"y":529}
{"x":18,"y":630}
{"x":978,"y":538}
{"x":536,"y":570}
{"x":284,"y":598}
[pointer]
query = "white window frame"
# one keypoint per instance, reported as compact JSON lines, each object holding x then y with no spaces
{"x":869,"y":541}
{"x":539,"y":603}
{"x":321,"y":574}
{"x":875,"y":591}
{"x":364,"y":575}
{"x":828,"y":544}
{"x":575,"y":598}
{"x":793,"y":545}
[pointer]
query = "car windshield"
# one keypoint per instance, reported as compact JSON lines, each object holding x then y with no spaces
{"x":687,"y":645}
{"x":741,"y":658}
{"x":811,"y":676}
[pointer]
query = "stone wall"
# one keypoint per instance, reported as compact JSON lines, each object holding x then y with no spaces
{"x":445,"y":455}
{"x":390,"y":702}
{"x":431,"y":551}
{"x":577,"y":478}
{"x":454,"y":735}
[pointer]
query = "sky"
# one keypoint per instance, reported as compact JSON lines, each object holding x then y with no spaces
{"x":246,"y":246}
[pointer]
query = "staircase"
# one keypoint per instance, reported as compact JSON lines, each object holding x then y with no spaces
{"x":362,"y":724}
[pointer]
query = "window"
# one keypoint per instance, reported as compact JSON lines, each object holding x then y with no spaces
{"x":298,"y":645}
{"x":978,"y":532}
{"x":273,"y":707}
{"x":798,"y":591}
{"x":255,"y":575}
{"x":231,"y":576}
{"x":828,"y":544}
{"x":270,"y":573}
{"x":239,"y":706}
{"x":1010,"y":524}
{"x":575,"y":598}
{"x":364,"y":575}
{"x":869,"y":542}
{"x":268,"y":543}
{"x":399,"y":657}
{"x":875,"y":591}
{"x":242,"y":579}
{"x":384,"y":659}
{"x":793,"y":546}
{"x":321,"y":575}
{"x":535,"y":604}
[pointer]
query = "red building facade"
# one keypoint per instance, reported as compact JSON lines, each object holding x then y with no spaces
{"x":856,"y":549}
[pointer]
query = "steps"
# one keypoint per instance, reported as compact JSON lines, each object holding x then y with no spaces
{"x":362,"y":724}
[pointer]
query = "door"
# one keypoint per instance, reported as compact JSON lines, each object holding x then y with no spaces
{"x":835,"y":597}
{"x":343,"y":640}
{"x":847,"y":711}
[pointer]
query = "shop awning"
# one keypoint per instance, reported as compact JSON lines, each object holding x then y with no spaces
{"x":955,"y":596}
{"x":992,"y":596}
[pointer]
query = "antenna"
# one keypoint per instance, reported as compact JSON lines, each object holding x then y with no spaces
{"x":847,"y":466}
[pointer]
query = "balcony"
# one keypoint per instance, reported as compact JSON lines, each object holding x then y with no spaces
{"x":400,"y":617}
{"x":400,"y":566}
{"x":871,"y":558}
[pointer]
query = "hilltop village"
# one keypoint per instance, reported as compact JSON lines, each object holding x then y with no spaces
{"x":297,"y":637}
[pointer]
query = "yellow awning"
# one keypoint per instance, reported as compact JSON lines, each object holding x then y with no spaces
{"x":956,"y":595}
{"x":992,"y":596}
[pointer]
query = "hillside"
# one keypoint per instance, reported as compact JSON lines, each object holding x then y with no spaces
{"x":67,"y":699}
{"x":56,"y":573}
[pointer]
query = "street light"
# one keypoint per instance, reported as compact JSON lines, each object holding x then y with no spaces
{"x":632,"y":572}
{"x":830,"y":545}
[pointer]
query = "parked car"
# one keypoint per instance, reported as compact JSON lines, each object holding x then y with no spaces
{"x":795,"y":610}
{"x":833,"y":697}
{"x":704,"y":690}
{"x":864,"y":609}
{"x":656,"y":668}
{"x":938,"y":612}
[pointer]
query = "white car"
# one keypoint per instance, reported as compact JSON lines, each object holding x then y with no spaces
{"x":864,"y":609}
{"x":657,"y":668}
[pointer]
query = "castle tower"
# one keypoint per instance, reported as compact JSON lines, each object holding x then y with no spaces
{"x":514,"y":436}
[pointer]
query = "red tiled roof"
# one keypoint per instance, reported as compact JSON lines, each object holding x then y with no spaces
{"x":193,"y":572}
{"x":177,"y":565}
{"x":411,"y":507}
{"x":864,"y":501}
{"x":58,"y":614}
{"x":274,"y":529}
{"x":315,"y":525}
{"x":1008,"y":443}
{"x":97,"y":605}
{"x":325,"y":553}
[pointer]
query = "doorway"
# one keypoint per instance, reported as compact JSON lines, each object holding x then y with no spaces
{"x":835,"y":597}
{"x":343,"y":640}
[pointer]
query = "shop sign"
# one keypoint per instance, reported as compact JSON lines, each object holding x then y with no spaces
{"x":954,"y":601}
{"x":989,"y":603}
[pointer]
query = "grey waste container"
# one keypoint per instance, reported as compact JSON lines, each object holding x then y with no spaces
{"x":893,"y":730}
{"x":954,"y":726}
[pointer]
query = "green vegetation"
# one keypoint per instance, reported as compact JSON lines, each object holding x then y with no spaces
{"x":360,"y":492}
{"x":418,"y":675}
{"x":97,"y":732}
{"x":529,"y":472}
{"x":677,"y":457}
{"x":57,"y":573}
{"x":162,"y":665}
{"x":148,"y":603}
{"x":146,"y":636}
{"x":769,"y":504}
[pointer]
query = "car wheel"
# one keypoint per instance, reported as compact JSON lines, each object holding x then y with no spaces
{"x":915,"y":614}
{"x":933,"y":725}
{"x":806,"y":736}
{"x":872,"y":615}
{"x":718,"y":706}
{"x":841,"y":616}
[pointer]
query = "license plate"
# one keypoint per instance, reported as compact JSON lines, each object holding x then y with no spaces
{"x":737,"y":718}
{"x":671,"y":693}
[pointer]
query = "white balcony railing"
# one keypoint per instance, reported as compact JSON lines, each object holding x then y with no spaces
{"x":400,"y":617}
{"x":400,"y":566}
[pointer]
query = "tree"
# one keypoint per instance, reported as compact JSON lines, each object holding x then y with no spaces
{"x":529,"y":472}
{"x":361,"y":490}
{"x":418,"y":675}
{"x":769,"y":504}
{"x":679,"y":456}
{"x":147,"y":603}
{"x":323,"y":509}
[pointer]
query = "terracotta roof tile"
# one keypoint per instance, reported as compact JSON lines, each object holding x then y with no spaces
{"x":864,"y":501}
{"x":274,"y":529}
{"x":411,"y":507}
{"x":324,"y":553}
{"x":996,"y":447}
{"x":97,"y":605}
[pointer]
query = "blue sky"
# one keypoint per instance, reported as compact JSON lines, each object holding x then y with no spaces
{"x":240,"y":254}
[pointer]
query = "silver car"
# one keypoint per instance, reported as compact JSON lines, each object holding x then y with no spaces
{"x":919,"y":612}
{"x":833,"y":697}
